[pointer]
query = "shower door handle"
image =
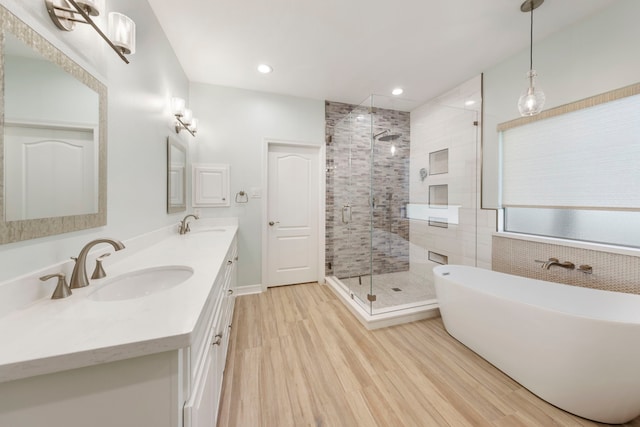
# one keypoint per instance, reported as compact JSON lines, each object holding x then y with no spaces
{"x":346,"y":208}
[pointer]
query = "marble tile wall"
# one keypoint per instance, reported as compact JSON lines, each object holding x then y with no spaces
{"x":357,"y":179}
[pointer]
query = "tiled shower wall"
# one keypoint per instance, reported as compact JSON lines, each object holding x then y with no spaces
{"x":351,"y":174}
{"x":610,"y":271}
{"x":447,"y":124}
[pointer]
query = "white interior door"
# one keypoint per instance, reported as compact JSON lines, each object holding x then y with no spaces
{"x":50,"y":171}
{"x":292,"y":214}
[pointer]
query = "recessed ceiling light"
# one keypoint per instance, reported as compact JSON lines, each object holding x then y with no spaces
{"x":264,"y":68}
{"x":397,"y":91}
{"x":469,"y":102}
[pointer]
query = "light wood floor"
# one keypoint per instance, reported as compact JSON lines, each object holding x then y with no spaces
{"x":298,"y":358}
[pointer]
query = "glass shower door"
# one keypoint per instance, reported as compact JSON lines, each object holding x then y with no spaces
{"x":350,"y":173}
{"x":424,"y":198}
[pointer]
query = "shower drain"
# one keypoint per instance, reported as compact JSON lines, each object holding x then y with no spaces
{"x":396,"y":289}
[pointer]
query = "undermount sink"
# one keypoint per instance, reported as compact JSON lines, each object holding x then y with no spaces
{"x":208,"y":230}
{"x":140,"y":283}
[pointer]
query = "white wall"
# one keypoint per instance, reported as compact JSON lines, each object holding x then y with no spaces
{"x":234,"y":125}
{"x":593,"y":56}
{"x":138,"y":125}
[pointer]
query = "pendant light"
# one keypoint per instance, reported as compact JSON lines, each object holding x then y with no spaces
{"x":532,"y":99}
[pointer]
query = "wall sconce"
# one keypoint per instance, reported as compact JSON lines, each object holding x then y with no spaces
{"x":122,"y":29}
{"x":184,"y":116}
{"x":532,"y":99}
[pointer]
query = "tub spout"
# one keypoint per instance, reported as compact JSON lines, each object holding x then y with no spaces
{"x":554,"y":261}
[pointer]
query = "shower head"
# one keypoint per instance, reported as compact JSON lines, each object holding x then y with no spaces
{"x":386,"y":135}
{"x":389,"y":137}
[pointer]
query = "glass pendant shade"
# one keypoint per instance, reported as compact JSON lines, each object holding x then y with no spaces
{"x":194,"y":125}
{"x":177,"y":106}
{"x":532,"y":99}
{"x":122,"y":32}
{"x":187,"y":117}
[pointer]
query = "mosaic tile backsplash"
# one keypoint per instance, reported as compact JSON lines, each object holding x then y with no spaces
{"x":611,"y":271}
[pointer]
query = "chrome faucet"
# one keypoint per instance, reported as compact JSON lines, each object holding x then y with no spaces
{"x":79,"y":277}
{"x":184,"y":225}
{"x":554,"y":261}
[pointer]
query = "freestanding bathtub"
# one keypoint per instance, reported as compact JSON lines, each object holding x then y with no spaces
{"x":576,"y":348}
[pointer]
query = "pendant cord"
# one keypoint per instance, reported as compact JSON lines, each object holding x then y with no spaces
{"x":531,"y":42}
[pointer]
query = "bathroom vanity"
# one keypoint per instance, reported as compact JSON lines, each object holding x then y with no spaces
{"x":145,"y":346}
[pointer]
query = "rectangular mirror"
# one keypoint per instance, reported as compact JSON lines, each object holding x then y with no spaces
{"x":52,"y":138}
{"x":176,"y":176}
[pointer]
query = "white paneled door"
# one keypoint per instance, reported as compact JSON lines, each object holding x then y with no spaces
{"x":292,"y":214}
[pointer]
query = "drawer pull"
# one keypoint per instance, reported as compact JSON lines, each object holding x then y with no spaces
{"x":230,"y":291}
{"x":218,"y":340}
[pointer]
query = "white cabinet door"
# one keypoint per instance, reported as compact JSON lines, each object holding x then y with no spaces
{"x":200,"y":411}
{"x":210,"y":185}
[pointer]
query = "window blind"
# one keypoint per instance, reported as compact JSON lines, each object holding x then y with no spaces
{"x":584,"y":159}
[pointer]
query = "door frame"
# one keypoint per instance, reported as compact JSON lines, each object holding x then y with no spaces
{"x":322,"y":172}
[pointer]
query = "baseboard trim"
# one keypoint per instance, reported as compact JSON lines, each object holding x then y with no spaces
{"x":248,"y":290}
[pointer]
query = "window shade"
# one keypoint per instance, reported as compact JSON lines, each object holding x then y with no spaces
{"x":585,"y":159}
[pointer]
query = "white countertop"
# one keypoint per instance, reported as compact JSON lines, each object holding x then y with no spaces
{"x":55,"y":335}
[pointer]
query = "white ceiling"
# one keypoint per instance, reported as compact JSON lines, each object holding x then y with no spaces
{"x":345,"y":50}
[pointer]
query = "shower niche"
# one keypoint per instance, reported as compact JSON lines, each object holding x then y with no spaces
{"x":439,"y":162}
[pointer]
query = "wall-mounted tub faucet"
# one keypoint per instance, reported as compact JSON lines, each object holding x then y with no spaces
{"x":555,"y":261}
{"x":184,"y":225}
{"x":79,"y":277}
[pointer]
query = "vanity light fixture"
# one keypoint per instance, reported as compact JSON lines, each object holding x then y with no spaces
{"x":122,"y":30}
{"x":532,"y":99}
{"x":184,"y":116}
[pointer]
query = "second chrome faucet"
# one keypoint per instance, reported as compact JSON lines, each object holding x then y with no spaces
{"x":184,"y":225}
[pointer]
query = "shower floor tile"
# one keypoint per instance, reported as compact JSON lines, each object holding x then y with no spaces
{"x":414,"y":288}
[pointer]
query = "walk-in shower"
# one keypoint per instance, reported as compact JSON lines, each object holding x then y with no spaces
{"x":388,"y":213}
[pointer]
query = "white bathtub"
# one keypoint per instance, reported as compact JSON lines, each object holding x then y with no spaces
{"x":576,"y":348}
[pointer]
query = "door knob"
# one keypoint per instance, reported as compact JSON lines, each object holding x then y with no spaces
{"x":274,"y":223}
